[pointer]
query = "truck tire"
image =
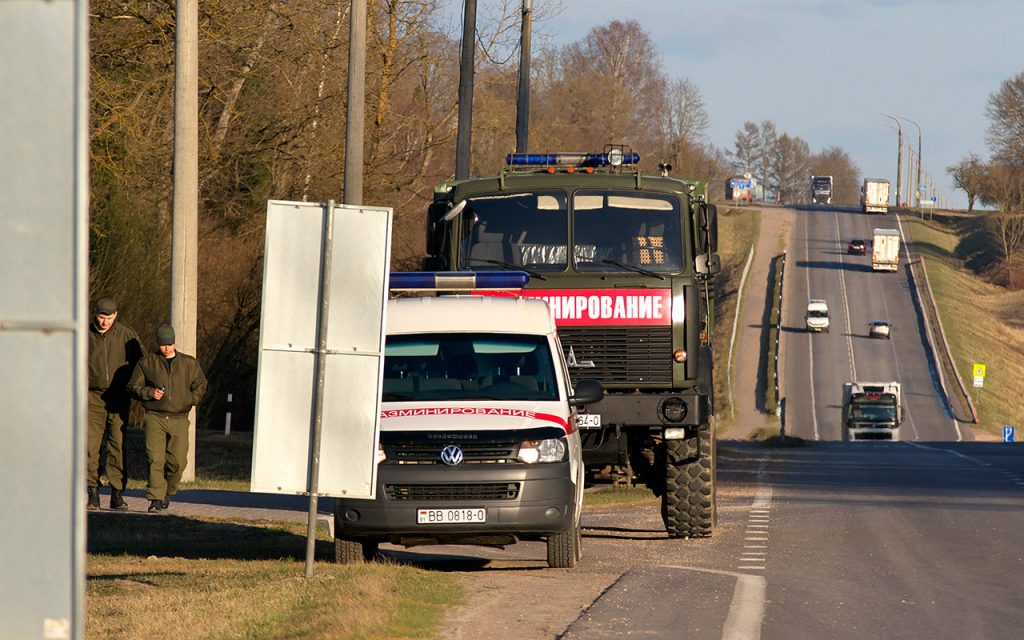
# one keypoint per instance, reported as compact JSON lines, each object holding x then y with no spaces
{"x":565,"y":548}
{"x":354,"y":551}
{"x":688,"y":506}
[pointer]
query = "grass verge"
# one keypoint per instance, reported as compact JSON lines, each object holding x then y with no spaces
{"x":189,"y":578}
{"x":978,"y":318}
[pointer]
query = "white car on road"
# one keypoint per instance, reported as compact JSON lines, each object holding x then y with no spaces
{"x":817,"y":315}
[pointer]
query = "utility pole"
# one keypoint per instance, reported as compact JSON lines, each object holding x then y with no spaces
{"x":185,"y":221}
{"x":355,"y":124}
{"x":523,"y":97}
{"x":899,"y":160}
{"x":464,"y":135}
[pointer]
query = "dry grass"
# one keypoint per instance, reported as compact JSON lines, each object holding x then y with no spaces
{"x":983,"y":323}
{"x":738,"y":229}
{"x":182,"y":578}
{"x":617,"y":495}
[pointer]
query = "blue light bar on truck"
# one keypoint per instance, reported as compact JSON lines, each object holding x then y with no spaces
{"x":457,"y":280}
{"x":606,"y":159}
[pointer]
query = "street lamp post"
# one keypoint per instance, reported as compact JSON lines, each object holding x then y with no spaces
{"x":899,"y":160}
{"x":920,"y":161}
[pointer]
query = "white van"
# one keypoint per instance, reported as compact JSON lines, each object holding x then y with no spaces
{"x":478,"y":437}
{"x":817,"y":315}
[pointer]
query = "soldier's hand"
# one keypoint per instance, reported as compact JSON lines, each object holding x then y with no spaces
{"x":158,"y":393}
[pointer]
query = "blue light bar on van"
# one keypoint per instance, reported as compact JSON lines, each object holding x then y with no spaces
{"x":457,"y":280}
{"x":605,"y":159}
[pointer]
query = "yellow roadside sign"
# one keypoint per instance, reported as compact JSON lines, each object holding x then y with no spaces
{"x":979,"y":370}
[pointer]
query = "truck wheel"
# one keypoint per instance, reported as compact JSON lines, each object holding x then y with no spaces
{"x":688,"y":506}
{"x":353,"y":551}
{"x":565,"y":548}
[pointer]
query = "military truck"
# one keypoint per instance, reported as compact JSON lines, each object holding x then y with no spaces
{"x":624,"y":260}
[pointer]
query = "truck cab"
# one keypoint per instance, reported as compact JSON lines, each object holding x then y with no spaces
{"x":478,"y":439}
{"x":872,"y":410}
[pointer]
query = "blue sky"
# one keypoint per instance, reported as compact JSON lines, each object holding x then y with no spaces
{"x":824,"y":69}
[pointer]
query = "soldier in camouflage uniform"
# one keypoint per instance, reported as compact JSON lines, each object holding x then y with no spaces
{"x":169,"y":383}
{"x":114,"y":350}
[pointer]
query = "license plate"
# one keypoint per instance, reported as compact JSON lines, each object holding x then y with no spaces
{"x":449,"y":516}
{"x":588,"y":421}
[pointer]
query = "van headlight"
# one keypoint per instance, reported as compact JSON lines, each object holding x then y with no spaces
{"x":549,"y":450}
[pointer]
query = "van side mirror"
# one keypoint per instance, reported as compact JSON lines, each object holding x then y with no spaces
{"x":587,"y":391}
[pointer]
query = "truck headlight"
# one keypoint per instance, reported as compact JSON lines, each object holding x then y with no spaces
{"x":549,"y":450}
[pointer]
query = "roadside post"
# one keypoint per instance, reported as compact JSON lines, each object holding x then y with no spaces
{"x":1008,"y":433}
{"x":979,"y":374}
{"x":321,"y":352}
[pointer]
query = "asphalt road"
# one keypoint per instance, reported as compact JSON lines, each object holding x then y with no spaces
{"x":831,"y":540}
{"x":817,"y":365}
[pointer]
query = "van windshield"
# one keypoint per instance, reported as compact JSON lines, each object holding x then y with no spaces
{"x":468,"y":366}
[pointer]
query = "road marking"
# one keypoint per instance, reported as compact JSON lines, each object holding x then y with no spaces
{"x":846,"y":304}
{"x":746,"y":612}
{"x":810,"y":334}
{"x":955,"y":453}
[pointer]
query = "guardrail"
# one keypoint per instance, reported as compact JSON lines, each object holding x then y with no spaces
{"x":938,"y":345}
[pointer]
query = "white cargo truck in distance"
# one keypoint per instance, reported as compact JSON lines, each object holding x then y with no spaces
{"x":885,"y":250}
{"x":872,"y":410}
{"x":874,"y":196}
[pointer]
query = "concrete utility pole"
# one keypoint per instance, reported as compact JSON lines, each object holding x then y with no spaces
{"x":464,"y":136}
{"x":355,"y":122}
{"x":523,"y":97}
{"x":185,"y":223}
{"x":899,"y":160}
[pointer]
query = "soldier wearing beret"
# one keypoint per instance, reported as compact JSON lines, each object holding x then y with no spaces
{"x":169,"y":383}
{"x":114,"y":350}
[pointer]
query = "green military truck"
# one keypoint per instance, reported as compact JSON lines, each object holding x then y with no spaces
{"x":624,"y":260}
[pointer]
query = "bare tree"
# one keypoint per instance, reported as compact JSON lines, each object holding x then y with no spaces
{"x":790,"y":171}
{"x":1004,"y":189}
{"x":1005,"y":112}
{"x":969,"y":175}
{"x":846,"y":175}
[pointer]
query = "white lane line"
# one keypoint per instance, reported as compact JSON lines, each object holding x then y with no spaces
{"x":810,"y":334}
{"x":846,"y":303}
{"x":955,"y":453}
{"x":746,"y":611}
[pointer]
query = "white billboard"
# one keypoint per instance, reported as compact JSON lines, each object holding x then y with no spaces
{"x":325,"y":278}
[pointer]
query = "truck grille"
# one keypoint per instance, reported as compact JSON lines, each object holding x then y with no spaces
{"x":469,"y":491}
{"x":430,"y":452}
{"x":621,"y":355}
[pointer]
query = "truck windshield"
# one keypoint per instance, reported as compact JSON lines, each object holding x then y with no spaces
{"x":873,"y":412}
{"x":516,"y":230}
{"x":468,"y":366}
{"x":616,"y":231}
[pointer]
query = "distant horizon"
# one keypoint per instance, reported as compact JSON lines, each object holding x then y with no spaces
{"x":825,"y":70}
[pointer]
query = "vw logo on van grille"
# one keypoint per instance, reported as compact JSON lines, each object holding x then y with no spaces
{"x":451,"y":455}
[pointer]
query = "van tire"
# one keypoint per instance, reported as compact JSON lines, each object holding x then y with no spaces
{"x":354,"y":551}
{"x":688,"y":506}
{"x":565,"y":548}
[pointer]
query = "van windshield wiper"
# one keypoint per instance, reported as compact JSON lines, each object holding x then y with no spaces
{"x":633,"y":267}
{"x":508,"y":266}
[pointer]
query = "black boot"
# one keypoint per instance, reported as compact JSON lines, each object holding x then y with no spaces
{"x":155,"y":506}
{"x":117,"y":502}
{"x":166,"y":502}
{"x":93,"y":503}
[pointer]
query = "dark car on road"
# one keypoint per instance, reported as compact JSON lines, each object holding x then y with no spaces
{"x":857,"y":247}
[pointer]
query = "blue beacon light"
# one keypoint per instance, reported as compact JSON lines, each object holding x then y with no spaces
{"x":457,"y":280}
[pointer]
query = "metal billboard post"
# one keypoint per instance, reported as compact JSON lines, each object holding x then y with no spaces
{"x":318,"y":393}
